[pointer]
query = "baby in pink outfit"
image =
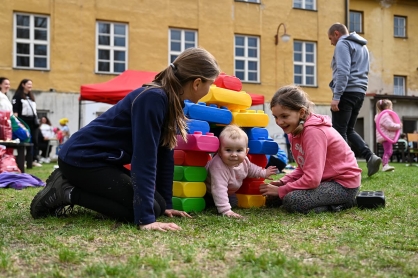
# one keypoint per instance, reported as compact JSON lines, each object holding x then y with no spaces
{"x":229,"y":167}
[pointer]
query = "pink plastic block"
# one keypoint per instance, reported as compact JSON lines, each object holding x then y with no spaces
{"x":198,"y":142}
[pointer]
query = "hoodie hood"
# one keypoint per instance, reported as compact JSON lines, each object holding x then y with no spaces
{"x":355,"y":38}
{"x":318,"y":120}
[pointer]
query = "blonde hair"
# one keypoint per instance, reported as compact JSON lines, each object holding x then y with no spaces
{"x":233,"y":132}
{"x":294,"y":98}
{"x":191,"y":64}
{"x":383,"y":104}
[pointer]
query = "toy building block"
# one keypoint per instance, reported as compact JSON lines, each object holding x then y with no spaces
{"x":258,"y":159}
{"x":268,"y":146}
{"x":210,"y":113}
{"x":197,"y":125}
{"x":228,"y":82}
{"x":256,"y":133}
{"x":198,"y":142}
{"x":250,"y":118}
{"x":191,"y":158}
{"x":224,"y":97}
{"x":189,"y":173}
{"x":189,"y":189}
{"x":250,"y":201}
{"x":250,"y":186}
{"x":189,"y":204}
{"x":370,"y":199}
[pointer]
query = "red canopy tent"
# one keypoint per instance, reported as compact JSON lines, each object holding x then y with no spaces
{"x":257,"y":99}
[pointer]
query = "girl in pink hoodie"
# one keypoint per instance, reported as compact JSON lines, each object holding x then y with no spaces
{"x":388,"y":127}
{"x":327,"y":177}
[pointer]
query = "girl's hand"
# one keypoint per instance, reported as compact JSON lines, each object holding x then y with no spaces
{"x":233,"y":214}
{"x":159,"y":226}
{"x":269,"y":190}
{"x":271,"y":170}
{"x":173,"y":212}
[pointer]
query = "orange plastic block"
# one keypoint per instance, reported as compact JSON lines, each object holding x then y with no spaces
{"x":189,"y":189}
{"x":198,"y":142}
{"x":250,"y":201}
{"x":250,"y":186}
{"x":191,"y":158}
{"x":229,"y":98}
{"x":258,"y":159}
{"x":250,"y":118}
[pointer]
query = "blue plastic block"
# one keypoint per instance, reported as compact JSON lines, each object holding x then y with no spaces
{"x":197,"y":125}
{"x":268,"y":146}
{"x":256,"y":133}
{"x":211,"y":113}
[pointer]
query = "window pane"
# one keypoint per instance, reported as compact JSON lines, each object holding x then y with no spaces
{"x":239,"y":41}
{"x":104,"y":54}
{"x":40,"y":49}
{"x":22,"y":33}
{"x":310,"y":58}
{"x":252,"y":65}
{"x":309,"y":80}
{"x":239,"y":74}
{"x":119,"y":55}
{"x":189,"y":36}
{"x":119,"y":29}
{"x":119,"y":67}
{"x":297,"y":46}
{"x":119,"y":41}
{"x":22,"y":61}
{"x":41,"y":22}
{"x":104,"y":40}
{"x":309,"y":47}
{"x":175,"y":46}
{"x":252,"y":53}
{"x":252,"y":76}
{"x":40,"y":62}
{"x":41,"y":35}
{"x":298,"y":79}
{"x":239,"y":65}
{"x":252,"y":42}
{"x":22,"y":20}
{"x":104,"y":28}
{"x":298,"y":69}
{"x":188,"y":45}
{"x":309,"y":70}
{"x":104,"y":66}
{"x":22,"y":48}
{"x":175,"y":35}
{"x":297,"y":57}
{"x":172,"y":58}
{"x":239,"y":52}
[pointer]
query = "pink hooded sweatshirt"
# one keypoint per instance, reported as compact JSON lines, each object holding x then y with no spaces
{"x":387,"y":126}
{"x":322,"y":155}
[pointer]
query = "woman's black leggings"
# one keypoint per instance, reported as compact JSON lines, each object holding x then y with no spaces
{"x":107,"y":190}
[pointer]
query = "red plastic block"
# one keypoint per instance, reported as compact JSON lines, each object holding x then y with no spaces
{"x":228,"y":82}
{"x":258,"y":159}
{"x":250,"y":186}
{"x":198,"y":142}
{"x":191,"y":158}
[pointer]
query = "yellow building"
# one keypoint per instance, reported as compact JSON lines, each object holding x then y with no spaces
{"x":62,"y":44}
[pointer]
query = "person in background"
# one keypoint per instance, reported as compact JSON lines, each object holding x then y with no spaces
{"x":24,"y":107}
{"x":47,"y":133}
{"x":389,"y":128}
{"x":65,"y":130}
{"x":5,"y":103}
{"x":327,"y":177}
{"x":350,"y":69}
{"x":402,"y":139}
{"x":228,"y":168}
{"x":141,"y":130}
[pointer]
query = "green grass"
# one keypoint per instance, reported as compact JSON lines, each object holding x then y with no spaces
{"x":267,"y":243}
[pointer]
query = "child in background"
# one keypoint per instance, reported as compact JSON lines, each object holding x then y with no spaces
{"x":65,"y":131}
{"x":327,"y":177}
{"x":389,"y":128}
{"x":229,"y":167}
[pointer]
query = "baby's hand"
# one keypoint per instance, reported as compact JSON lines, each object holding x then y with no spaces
{"x":271,"y":170}
{"x":233,"y":214}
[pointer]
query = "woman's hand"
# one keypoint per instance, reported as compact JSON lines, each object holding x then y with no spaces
{"x":173,"y":212}
{"x":269,"y":190}
{"x":160,"y":226}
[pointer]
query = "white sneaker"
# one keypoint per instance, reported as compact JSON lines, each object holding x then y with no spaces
{"x":36,"y":164}
{"x":387,"y":168}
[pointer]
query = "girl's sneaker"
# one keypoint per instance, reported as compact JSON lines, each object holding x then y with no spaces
{"x":387,"y":168}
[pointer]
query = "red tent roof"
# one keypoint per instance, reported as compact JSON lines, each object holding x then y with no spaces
{"x":257,"y":99}
{"x":117,"y":88}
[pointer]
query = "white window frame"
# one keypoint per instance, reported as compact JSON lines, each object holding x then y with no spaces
{"x":354,"y":25}
{"x":304,"y":64}
{"x":31,"y":41}
{"x":302,"y":4}
{"x":112,"y":47}
{"x":247,"y":59}
{"x":183,"y":43}
{"x":399,"y":26}
{"x":399,"y":85}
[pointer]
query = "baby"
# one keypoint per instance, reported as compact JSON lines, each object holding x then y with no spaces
{"x":229,"y":167}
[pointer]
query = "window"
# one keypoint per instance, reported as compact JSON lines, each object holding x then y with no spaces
{"x":305,"y":4}
{"x":356,"y":22}
{"x":247,"y":61}
{"x":111,"y":50}
{"x":304,"y":60}
{"x":179,"y":41}
{"x":399,"y":85}
{"x":399,"y":26}
{"x":31,"y":41}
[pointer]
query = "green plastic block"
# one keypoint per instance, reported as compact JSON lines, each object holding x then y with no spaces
{"x":190,"y":173}
{"x":178,"y":173}
{"x":189,"y":204}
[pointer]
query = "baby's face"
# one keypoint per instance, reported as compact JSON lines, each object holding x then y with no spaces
{"x":233,"y":151}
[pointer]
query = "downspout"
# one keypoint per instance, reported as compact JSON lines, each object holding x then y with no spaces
{"x":347,"y":13}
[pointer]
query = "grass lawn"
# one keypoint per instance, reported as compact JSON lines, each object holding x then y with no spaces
{"x":267,"y":243}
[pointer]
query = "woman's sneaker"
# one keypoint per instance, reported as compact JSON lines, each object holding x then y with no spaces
{"x":53,"y":197}
{"x":387,"y":168}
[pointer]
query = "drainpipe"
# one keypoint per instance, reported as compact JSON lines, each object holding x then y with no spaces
{"x":347,"y":13}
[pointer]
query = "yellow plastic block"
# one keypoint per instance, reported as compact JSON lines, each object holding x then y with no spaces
{"x":189,"y":189}
{"x":250,"y":201}
{"x":250,"y":118}
{"x":224,"y":97}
